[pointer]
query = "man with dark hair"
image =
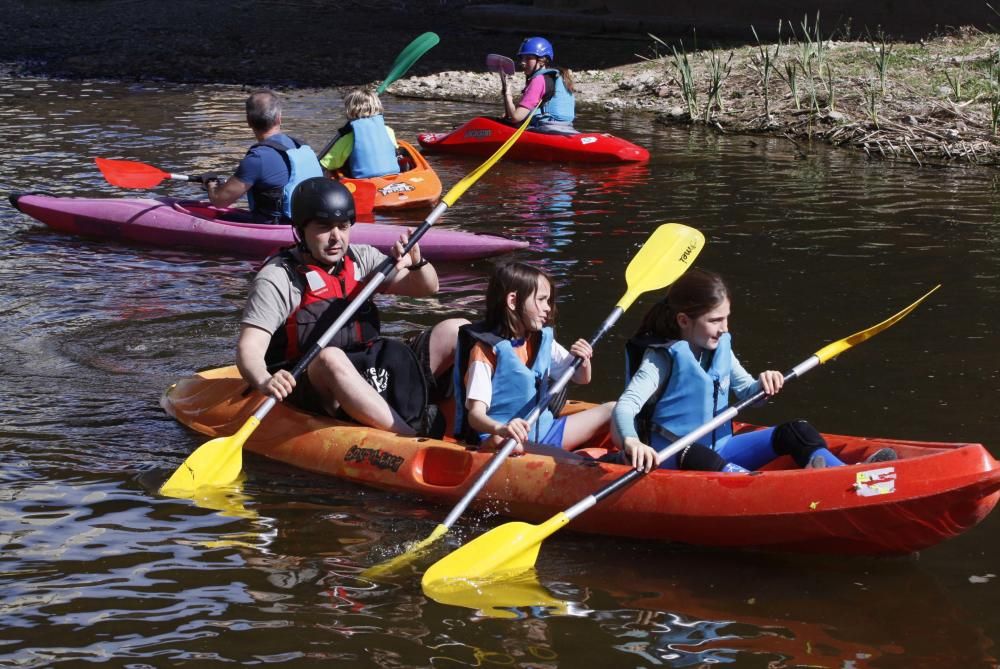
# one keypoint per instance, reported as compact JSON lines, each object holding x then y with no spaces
{"x":272,"y":167}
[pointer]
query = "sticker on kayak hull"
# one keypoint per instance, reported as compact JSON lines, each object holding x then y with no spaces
{"x":375,"y":457}
{"x":478,"y":133}
{"x":587,"y":140}
{"x":398,"y":187}
{"x":875,"y":482}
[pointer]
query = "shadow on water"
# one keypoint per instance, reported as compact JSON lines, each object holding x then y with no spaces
{"x":95,"y":565}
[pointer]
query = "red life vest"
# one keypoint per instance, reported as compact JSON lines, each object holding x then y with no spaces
{"x":325,"y":296}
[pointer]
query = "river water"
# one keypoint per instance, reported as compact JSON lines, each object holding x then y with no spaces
{"x":96,"y":567}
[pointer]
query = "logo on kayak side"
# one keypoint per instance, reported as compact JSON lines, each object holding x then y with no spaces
{"x":375,"y":457}
{"x":478,"y":133}
{"x":876,"y":482}
{"x":398,"y":187}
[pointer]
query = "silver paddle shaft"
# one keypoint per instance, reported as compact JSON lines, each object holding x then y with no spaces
{"x":510,"y":444}
{"x":685,"y":441}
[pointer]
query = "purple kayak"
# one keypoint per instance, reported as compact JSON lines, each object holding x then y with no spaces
{"x":175,"y":223}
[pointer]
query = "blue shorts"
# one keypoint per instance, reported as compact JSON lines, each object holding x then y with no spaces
{"x":554,"y":437}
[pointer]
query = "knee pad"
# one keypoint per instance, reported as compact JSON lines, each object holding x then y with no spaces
{"x":798,"y":439}
{"x":701,"y":458}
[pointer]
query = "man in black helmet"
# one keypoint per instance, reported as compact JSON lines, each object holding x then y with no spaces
{"x":298,"y":293}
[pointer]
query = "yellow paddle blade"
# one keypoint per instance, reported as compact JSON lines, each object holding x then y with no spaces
{"x":831,"y":351}
{"x":215,"y":463}
{"x":667,"y":254}
{"x":458,"y":189}
{"x":496,"y":598}
{"x":503,"y":551}
{"x":412,"y":552}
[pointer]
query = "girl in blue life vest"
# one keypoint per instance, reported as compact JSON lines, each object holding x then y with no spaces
{"x":682,"y":370}
{"x":366,"y":146}
{"x":548,"y":84}
{"x":504,"y":365}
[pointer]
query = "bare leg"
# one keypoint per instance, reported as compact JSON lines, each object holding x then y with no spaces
{"x":444,"y":337}
{"x":583,"y":425}
{"x":339,"y":384}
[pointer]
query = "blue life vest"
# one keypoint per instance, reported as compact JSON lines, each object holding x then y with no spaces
{"x":558,"y":104}
{"x":693,"y":395}
{"x":517,"y":388}
{"x":302,"y":164}
{"x":373,"y":154}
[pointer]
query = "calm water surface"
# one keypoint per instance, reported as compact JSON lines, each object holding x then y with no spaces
{"x":96,"y":567}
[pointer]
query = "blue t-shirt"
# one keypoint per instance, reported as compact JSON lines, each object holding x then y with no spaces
{"x":263,"y":168}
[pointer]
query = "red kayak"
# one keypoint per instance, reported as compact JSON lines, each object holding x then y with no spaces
{"x":933,"y":492}
{"x":482,"y":136}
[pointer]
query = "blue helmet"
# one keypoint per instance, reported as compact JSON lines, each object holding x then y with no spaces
{"x":536,"y":46}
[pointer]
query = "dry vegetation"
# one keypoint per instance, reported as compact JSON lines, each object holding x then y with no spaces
{"x":937,"y":100}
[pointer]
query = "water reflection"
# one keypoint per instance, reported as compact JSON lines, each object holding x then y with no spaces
{"x":96,"y":566}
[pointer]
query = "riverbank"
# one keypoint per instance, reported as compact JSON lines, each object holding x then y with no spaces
{"x":936,"y":101}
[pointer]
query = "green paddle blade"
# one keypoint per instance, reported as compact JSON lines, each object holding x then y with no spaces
{"x":667,"y":254}
{"x":503,"y":551}
{"x":215,"y":463}
{"x":407,"y":57}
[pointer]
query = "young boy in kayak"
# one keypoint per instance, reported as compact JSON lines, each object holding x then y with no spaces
{"x":272,"y":167}
{"x":548,"y":84}
{"x":366,"y":146}
{"x":683,"y":369}
{"x":504,"y":365}
{"x":297,"y":294}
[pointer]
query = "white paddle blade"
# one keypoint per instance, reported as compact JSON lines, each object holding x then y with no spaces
{"x":497,"y":63}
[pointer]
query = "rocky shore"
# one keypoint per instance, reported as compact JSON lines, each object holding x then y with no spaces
{"x":936,"y":101}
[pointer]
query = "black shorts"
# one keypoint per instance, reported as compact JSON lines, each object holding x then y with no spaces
{"x":439,"y":388}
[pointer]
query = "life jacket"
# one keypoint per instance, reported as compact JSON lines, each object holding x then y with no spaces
{"x":302,"y":164}
{"x":388,"y":365}
{"x":558,"y":104}
{"x":690,"y":397}
{"x":373,"y":154}
{"x":324,"y":298}
{"x":517,"y":388}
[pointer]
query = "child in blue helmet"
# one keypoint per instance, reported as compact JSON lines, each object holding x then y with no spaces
{"x":548,"y":93}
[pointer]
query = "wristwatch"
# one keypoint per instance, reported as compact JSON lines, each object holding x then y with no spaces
{"x":420,"y":264}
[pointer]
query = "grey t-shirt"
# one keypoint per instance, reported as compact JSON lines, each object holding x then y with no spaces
{"x":275,"y":294}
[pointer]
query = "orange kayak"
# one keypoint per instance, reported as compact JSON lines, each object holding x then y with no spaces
{"x":933,"y":492}
{"x":417,"y":185}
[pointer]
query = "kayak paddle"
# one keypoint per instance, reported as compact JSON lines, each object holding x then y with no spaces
{"x":513,"y":547}
{"x":132,"y":174}
{"x":218,"y":462}
{"x":667,"y":253}
{"x":497,"y":63}
{"x":404,"y":61}
{"x":407,"y":57}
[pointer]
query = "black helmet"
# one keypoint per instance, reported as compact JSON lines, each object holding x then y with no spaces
{"x":321,"y":198}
